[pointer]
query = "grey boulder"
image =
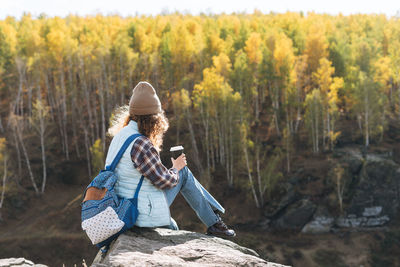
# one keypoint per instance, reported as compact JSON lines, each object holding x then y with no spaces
{"x":296,"y":215}
{"x":322,"y":222}
{"x":18,"y":262}
{"x":164,"y":247}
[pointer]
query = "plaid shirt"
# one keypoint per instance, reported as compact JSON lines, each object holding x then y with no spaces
{"x":147,"y":161}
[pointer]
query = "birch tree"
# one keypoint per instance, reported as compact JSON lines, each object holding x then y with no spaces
{"x":328,"y":87}
{"x":216,"y":102}
{"x":369,"y":107}
{"x":253,"y":50}
{"x":18,"y":124}
{"x":39,"y":121}
{"x":313,"y":116}
{"x":182,"y":105}
{"x":3,"y":160}
{"x":340,"y":183}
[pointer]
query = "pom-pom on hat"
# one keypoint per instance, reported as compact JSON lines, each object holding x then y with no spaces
{"x":144,"y":100}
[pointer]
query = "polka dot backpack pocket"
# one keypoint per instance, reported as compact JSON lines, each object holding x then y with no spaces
{"x":105,"y":215}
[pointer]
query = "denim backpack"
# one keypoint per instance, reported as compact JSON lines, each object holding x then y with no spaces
{"x":105,"y":219}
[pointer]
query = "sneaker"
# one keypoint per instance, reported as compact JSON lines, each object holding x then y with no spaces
{"x":220,"y":229}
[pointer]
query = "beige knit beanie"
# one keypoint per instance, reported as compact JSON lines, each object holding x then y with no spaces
{"x":144,"y":100}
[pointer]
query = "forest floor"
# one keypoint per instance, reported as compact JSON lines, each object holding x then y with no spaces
{"x":48,"y":231}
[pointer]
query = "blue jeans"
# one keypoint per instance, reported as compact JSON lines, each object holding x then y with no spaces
{"x":202,"y":202}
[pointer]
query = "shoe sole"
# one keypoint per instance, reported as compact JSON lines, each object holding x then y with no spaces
{"x":221,"y":235}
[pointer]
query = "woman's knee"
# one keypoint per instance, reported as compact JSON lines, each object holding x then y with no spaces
{"x":184,"y":173}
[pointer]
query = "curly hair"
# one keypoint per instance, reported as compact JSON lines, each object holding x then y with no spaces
{"x":152,"y":126}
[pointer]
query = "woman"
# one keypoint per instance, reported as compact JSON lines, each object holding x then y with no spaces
{"x":145,"y":115}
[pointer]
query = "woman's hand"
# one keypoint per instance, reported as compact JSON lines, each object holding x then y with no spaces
{"x":179,"y":162}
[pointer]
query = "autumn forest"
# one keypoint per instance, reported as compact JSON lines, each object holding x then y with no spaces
{"x":244,"y":93}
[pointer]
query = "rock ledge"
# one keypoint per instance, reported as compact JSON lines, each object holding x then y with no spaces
{"x":18,"y":262}
{"x":164,"y":247}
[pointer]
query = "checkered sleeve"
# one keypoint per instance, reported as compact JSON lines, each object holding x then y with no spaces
{"x":147,"y":161}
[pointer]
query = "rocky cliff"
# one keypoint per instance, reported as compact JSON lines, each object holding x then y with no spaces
{"x":164,"y":247}
{"x":371,"y":195}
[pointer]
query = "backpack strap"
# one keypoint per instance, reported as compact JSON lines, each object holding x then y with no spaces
{"x":138,"y":187}
{"x":117,"y":158}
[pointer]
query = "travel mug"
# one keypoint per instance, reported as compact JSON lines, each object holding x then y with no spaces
{"x":176,"y":151}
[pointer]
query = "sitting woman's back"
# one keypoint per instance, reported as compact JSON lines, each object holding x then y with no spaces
{"x":159,"y":190}
{"x":152,"y":206}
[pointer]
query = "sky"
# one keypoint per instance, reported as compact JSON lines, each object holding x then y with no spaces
{"x":153,"y":7}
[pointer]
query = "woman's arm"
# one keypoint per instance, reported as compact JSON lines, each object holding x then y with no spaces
{"x":147,"y":161}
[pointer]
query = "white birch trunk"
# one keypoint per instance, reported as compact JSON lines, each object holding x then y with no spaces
{"x":250,"y":176}
{"x":18,"y":106}
{"x":64,"y":111}
{"x":19,"y":158}
{"x":19,"y":134}
{"x":194,"y":143}
{"x":102,"y":114}
{"x":87,"y":97}
{"x":3,"y":190}
{"x":260,"y":191}
{"x":43,"y":149}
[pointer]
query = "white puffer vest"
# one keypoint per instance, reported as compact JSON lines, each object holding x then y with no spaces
{"x":152,"y":203}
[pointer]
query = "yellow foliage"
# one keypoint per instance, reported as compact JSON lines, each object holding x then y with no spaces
{"x":250,"y":144}
{"x":182,"y":47}
{"x":59,"y":40}
{"x":213,"y":85}
{"x":253,"y":48}
{"x":193,"y":27}
{"x":316,"y":47}
{"x":383,"y":72}
{"x":10,"y":35}
{"x":216,"y":43}
{"x":181,"y":99}
{"x":328,"y":85}
{"x":323,"y":75}
{"x":150,"y":43}
{"x":283,"y":55}
{"x":334,"y":135}
{"x":2,"y":150}
{"x":222,"y":64}
{"x":185,"y":99}
{"x":179,"y":51}
{"x":214,"y":91}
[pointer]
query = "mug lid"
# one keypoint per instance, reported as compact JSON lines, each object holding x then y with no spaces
{"x":176,"y":148}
